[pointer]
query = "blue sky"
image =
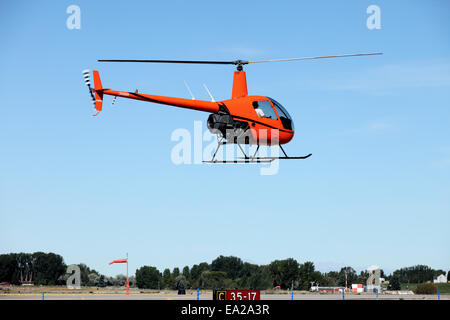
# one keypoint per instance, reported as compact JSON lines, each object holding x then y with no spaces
{"x":375,"y":191}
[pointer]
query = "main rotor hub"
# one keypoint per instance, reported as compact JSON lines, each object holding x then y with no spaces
{"x":239,"y":64}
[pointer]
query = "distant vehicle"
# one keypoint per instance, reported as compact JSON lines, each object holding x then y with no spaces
{"x":5,"y":284}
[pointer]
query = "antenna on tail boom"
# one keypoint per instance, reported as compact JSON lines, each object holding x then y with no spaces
{"x":210,"y":95}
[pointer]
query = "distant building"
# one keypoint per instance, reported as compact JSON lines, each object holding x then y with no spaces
{"x":357,"y":288}
{"x":373,"y":283}
{"x":440,"y":279}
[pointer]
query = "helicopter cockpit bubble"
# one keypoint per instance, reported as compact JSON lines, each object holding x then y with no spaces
{"x":285,"y":117}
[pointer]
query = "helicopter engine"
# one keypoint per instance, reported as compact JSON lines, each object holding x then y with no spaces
{"x":220,"y":123}
{"x":224,"y":125}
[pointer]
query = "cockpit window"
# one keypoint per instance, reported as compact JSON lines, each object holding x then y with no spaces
{"x":264,"y":109}
{"x":285,"y":118}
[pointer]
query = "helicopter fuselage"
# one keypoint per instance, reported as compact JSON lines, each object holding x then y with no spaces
{"x":258,"y":116}
{"x":244,"y":119}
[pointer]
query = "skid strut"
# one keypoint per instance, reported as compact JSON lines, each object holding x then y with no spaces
{"x":251,"y":159}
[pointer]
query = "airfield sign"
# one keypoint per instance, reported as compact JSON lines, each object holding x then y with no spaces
{"x":236,"y":295}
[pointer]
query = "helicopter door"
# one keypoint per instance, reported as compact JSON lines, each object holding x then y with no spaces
{"x":264,"y":109}
{"x":285,"y":118}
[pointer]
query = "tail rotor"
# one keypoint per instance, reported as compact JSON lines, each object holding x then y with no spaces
{"x":97,"y":92}
{"x":87,"y":80}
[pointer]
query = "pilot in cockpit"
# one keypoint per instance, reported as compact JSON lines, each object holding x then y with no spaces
{"x":259,"y":111}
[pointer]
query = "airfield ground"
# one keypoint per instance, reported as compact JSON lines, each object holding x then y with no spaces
{"x":58,"y":293}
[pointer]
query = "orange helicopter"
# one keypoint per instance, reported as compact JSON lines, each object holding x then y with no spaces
{"x":243,"y":119}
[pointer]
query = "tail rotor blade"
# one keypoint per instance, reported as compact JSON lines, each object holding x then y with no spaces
{"x":86,"y":77}
{"x":87,"y":80}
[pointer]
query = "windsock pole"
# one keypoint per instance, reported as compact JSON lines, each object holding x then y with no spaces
{"x":128,"y":285}
{"x":123,"y":261}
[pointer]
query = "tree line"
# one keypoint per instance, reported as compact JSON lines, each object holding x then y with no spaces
{"x":38,"y":268}
{"x":227,"y":272}
{"x":232,"y":273}
{"x":41,"y":268}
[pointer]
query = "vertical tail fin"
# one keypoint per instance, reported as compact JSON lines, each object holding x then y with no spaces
{"x":98,"y":91}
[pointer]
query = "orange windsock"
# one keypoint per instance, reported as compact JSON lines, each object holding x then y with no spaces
{"x":119,"y":261}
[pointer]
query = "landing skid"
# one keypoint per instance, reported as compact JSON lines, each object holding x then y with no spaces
{"x":252,"y":159}
{"x":280,"y":158}
{"x":240,"y":161}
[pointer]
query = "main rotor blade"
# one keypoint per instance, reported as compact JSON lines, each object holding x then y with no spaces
{"x":236,"y":62}
{"x":168,"y":61}
{"x":320,"y":57}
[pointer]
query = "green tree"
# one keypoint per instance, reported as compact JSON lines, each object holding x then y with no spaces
{"x":330,"y":279}
{"x":167,"y":279}
{"x":196,"y":272}
{"x":101,"y":282}
{"x":347,"y":275}
{"x":307,"y":274}
{"x":232,"y":266}
{"x":213,"y":279}
{"x":39,"y":268}
{"x":362,"y":278}
{"x":415,"y":274}
{"x":394,"y":283}
{"x":24,"y":268}
{"x":186,"y":273}
{"x":120,"y":280}
{"x":132,"y":281}
{"x":8,"y":266}
{"x":89,"y":277}
{"x":284,"y":272}
{"x":47,"y":268}
{"x":148,"y":278}
{"x":247,"y":271}
{"x":327,"y":281}
{"x":94,"y":279}
{"x":257,"y":279}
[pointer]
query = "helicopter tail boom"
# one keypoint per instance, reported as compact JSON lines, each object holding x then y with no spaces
{"x":200,"y":105}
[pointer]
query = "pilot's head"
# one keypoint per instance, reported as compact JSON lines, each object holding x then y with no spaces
{"x":255,"y":104}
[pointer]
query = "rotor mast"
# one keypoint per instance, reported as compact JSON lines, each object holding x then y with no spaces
{"x":239,"y":80}
{"x":239,"y":84}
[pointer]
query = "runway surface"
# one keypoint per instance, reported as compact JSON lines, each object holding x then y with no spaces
{"x":143,"y":296}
